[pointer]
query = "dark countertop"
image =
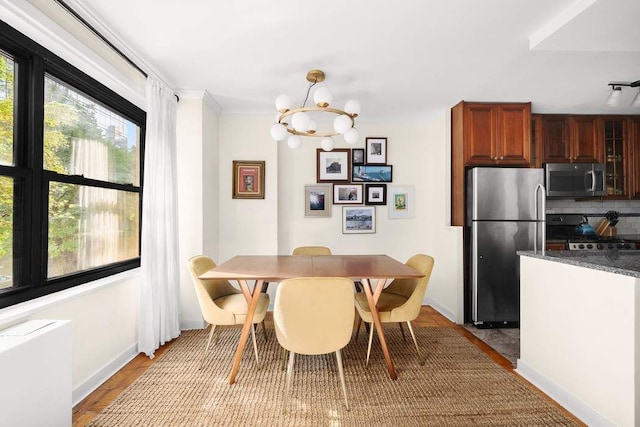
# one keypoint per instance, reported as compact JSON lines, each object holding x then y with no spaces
{"x":620,"y":262}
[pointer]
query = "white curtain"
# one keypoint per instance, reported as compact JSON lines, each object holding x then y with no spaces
{"x":160,"y":287}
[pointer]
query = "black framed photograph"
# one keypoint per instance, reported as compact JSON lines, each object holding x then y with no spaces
{"x":317,"y":200}
{"x":347,"y":194}
{"x":358,"y":219}
{"x":357,"y":156}
{"x":375,"y":194}
{"x":376,"y":151}
{"x":372,"y":173}
{"x":334,"y":165}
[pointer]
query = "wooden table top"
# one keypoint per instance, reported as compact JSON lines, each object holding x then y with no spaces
{"x":280,"y":267}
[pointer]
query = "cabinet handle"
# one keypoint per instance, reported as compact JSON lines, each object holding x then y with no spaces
{"x":501,"y":157}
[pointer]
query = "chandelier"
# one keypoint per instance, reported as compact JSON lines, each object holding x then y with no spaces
{"x":294,"y":123}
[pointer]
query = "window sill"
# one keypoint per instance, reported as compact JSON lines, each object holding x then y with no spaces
{"x":20,"y":311}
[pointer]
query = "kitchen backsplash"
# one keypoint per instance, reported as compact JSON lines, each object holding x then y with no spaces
{"x":626,"y":225}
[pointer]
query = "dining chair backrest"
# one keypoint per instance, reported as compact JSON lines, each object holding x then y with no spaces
{"x":314,"y":315}
{"x":311,"y":250}
{"x":413,"y":288}
{"x":209,"y":290}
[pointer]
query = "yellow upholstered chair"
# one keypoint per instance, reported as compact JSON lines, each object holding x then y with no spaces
{"x":221,"y":303}
{"x":314,"y":315}
{"x":400,"y":301}
{"x":311,"y":250}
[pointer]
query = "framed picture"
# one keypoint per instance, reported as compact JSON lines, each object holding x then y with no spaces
{"x":401,"y":201}
{"x":248,"y":179}
{"x":375,"y":194}
{"x":358,"y":219}
{"x":369,"y":173}
{"x":376,"y":151}
{"x":333,"y":166}
{"x":317,"y":200}
{"x":357,"y":156}
{"x":347,"y":193}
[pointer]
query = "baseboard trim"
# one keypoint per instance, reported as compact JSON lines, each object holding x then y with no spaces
{"x":578,"y":408}
{"x":96,"y":380}
{"x":440,"y":309}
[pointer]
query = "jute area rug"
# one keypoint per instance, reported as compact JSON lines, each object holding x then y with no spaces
{"x":458,"y":385}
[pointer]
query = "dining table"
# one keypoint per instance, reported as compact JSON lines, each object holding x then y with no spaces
{"x":371,"y":270}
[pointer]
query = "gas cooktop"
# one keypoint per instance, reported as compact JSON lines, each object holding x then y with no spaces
{"x":599,"y":243}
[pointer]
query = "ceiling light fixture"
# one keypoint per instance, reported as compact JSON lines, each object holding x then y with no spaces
{"x":613,"y":100}
{"x":294,"y":123}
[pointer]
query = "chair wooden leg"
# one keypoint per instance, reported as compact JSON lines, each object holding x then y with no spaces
{"x":284,"y":358}
{"x":264,"y":331}
{"x":402,"y":332}
{"x":420,"y":358}
{"x":287,"y":386}
{"x":341,"y":372}
{"x":255,"y":346}
{"x":371,"y":328}
{"x":206,"y":348}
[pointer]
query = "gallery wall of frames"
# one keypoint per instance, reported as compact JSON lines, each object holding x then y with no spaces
{"x":358,"y":180}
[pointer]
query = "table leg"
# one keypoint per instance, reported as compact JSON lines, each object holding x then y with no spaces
{"x":378,"y":325}
{"x":248,"y":324}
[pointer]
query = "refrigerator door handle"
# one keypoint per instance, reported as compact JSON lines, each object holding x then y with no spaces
{"x":542,"y":221}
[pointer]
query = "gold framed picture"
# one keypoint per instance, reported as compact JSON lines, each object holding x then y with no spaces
{"x":248,"y":179}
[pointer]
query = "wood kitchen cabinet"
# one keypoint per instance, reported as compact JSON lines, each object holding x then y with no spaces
{"x":570,"y":139}
{"x":486,"y":134}
{"x":634,"y":159}
{"x":617,"y":154}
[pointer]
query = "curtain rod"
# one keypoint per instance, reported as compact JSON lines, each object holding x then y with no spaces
{"x":98,"y":34}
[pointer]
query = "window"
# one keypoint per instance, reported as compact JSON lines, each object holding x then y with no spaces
{"x":70,"y":174}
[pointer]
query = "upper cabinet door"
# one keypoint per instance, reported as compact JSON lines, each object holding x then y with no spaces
{"x":513,"y":143}
{"x":586,"y":142}
{"x":479,"y":133}
{"x":571,"y":139}
{"x":555,"y":139}
{"x":496,"y":134}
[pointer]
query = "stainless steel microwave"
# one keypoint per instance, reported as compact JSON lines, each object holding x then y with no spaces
{"x":575,"y":179}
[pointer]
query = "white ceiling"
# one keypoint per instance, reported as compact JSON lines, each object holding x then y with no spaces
{"x":402,"y":59}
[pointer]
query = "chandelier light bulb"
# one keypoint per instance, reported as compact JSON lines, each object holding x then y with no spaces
{"x":313,"y":126}
{"x":278,"y":132}
{"x":342,"y":123}
{"x":352,"y":107}
{"x":327,"y":143}
{"x":322,"y":97}
{"x":283,"y":103}
{"x":351,"y":136}
{"x":300,"y":121}
{"x":294,"y":141}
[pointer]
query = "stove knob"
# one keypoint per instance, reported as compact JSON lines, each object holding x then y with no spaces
{"x":626,"y":246}
{"x":589,"y":246}
{"x":619,"y":246}
{"x":580,"y":246}
{"x":610,"y":246}
{"x":600,"y":246}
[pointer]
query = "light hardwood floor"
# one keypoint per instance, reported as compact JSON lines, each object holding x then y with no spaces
{"x":87,"y":409}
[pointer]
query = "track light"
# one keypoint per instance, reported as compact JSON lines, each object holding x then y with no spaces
{"x":616,"y":93}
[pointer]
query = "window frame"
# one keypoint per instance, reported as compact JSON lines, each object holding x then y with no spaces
{"x":30,"y":234}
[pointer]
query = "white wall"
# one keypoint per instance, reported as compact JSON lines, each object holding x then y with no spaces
{"x":197,"y":166}
{"x":420,"y":155}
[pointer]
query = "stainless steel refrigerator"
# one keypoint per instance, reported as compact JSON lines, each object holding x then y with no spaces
{"x":505,"y":214}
